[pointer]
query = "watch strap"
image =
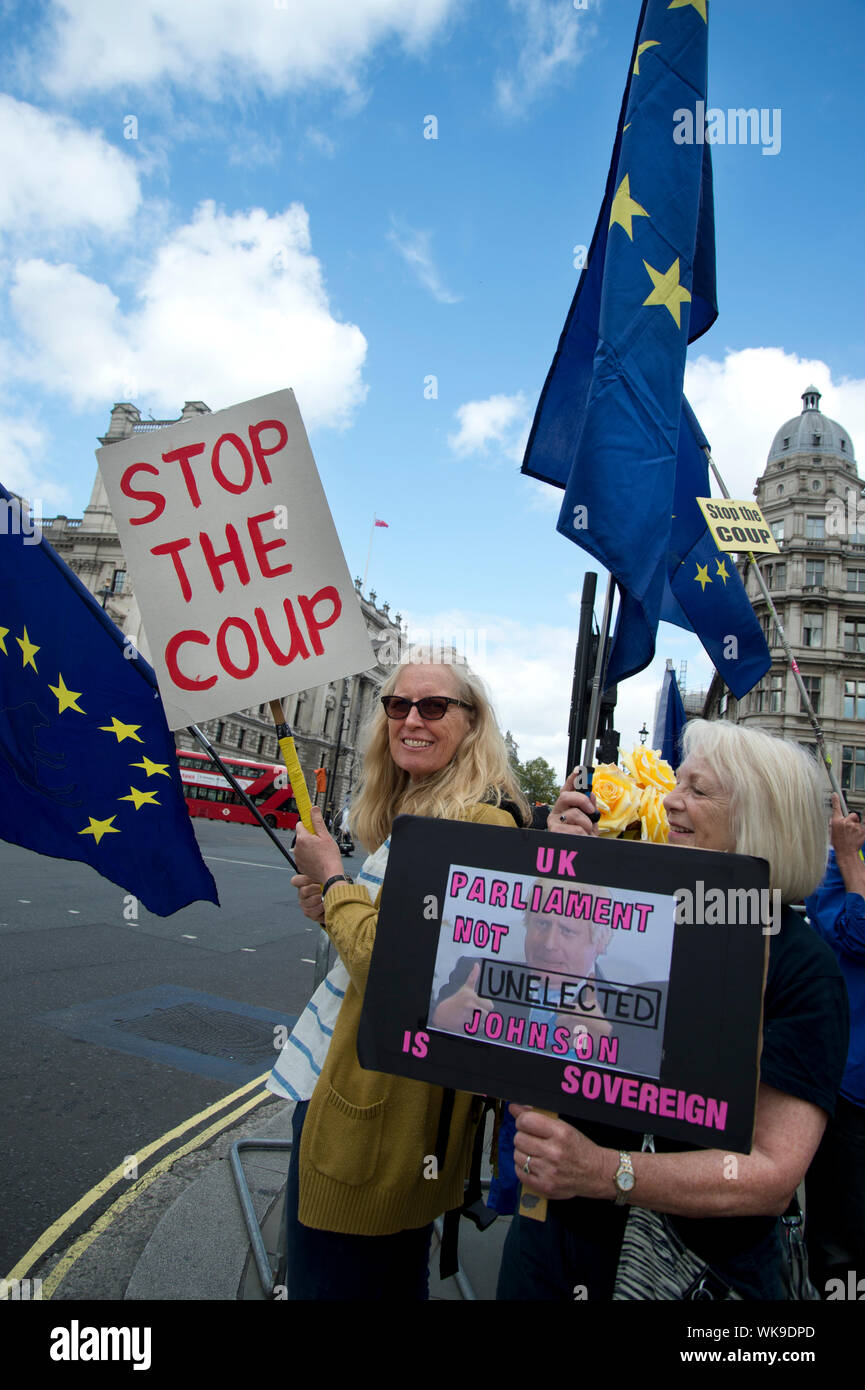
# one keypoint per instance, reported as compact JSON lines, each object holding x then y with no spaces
{"x":335,"y":878}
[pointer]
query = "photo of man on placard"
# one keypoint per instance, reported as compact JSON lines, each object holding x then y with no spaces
{"x":579,"y":987}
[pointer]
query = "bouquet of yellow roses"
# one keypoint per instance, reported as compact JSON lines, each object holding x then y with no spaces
{"x":631,"y":801}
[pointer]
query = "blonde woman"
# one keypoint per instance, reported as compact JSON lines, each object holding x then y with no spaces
{"x":360,"y":1205}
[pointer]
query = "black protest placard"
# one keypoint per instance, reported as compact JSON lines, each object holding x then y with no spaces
{"x":607,"y":979}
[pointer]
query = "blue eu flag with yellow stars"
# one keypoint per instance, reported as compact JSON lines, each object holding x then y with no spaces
{"x":88,"y":768}
{"x":609,"y":418}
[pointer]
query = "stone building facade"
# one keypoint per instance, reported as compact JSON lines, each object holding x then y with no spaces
{"x":326,"y":721}
{"x":811,"y":496}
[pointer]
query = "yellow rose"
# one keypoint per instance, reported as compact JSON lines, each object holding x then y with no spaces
{"x":649,"y":768}
{"x":653,"y":816}
{"x":617,"y":797}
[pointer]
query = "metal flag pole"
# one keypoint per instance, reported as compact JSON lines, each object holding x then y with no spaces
{"x":794,"y":667}
{"x":232,"y":780}
{"x":598,"y":679}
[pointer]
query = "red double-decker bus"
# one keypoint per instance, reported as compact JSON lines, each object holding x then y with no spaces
{"x":209,"y":794}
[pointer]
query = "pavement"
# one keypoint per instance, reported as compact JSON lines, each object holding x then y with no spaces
{"x":185,"y":1238}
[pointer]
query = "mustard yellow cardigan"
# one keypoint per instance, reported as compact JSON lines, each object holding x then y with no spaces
{"x":367,"y":1135}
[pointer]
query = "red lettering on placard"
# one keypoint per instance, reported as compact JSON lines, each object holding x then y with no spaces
{"x":129,"y":491}
{"x":240,"y":673}
{"x":261,"y":547}
{"x":298,"y":646}
{"x":182,"y":456}
{"x":173,"y":548}
{"x":307,"y":605}
{"x":258,"y":448}
{"x":215,"y":464}
{"x":232,"y":556}
{"x":171,"y":651}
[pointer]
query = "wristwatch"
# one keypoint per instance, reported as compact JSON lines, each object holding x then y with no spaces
{"x":336,"y":878}
{"x":624,"y":1178}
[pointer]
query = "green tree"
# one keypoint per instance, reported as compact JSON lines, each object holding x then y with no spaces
{"x":538,"y":780}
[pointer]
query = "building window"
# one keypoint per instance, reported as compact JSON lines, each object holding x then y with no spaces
{"x":119,"y":581}
{"x":856,"y":581}
{"x":816,"y":485}
{"x":778,"y":530}
{"x":812,"y":686}
{"x":786,"y":444}
{"x":776,"y":576}
{"x":843,"y":446}
{"x":814,"y":572}
{"x":776,"y":694}
{"x":852,"y":769}
{"x":854,"y":635}
{"x":240,"y":737}
{"x":854,"y":699}
{"x":220,"y":730}
{"x":770,"y":631}
{"x":780,"y":489}
{"x":812,"y":629}
{"x":816,"y":439}
{"x":815,"y":527}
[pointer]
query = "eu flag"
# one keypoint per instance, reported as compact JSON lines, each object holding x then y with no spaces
{"x":88,"y":768}
{"x":607,"y":424}
{"x":670,"y":719}
{"x":704,"y":592}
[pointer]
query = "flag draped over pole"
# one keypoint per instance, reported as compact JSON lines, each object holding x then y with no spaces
{"x":88,"y":768}
{"x":611,"y":415}
{"x":671,"y":719}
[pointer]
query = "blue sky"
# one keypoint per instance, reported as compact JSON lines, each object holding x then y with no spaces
{"x":213,"y":199}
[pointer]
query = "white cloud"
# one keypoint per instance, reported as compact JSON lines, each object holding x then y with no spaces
{"x":208,"y":45}
{"x":500,"y":420}
{"x":58,"y":176}
{"x":554,"y":40}
{"x":416,"y":250}
{"x":743,"y":401}
{"x":321,"y":142}
{"x":232,"y":307}
{"x":25,"y":447}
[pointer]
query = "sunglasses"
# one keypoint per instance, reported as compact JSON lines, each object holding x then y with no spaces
{"x":431,"y":707}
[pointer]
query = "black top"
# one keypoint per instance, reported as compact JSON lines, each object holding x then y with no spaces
{"x":805,"y":1033}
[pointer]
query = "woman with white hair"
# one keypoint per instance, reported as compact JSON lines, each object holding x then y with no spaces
{"x":360,"y":1198}
{"x":737,"y":791}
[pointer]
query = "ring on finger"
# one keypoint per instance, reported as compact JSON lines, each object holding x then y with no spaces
{"x":527,"y":1163}
{"x":562,"y":817}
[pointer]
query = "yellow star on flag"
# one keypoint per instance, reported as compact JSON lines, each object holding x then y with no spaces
{"x":139,"y":798}
{"x":722,"y":571}
{"x":702,"y":577}
{"x":650,"y":43}
{"x":3,"y":633}
{"x":668,"y":292}
{"x":699,"y":6}
{"x":625,"y":208}
{"x":152,"y":768}
{"x":121,"y":730}
{"x":65,"y":698}
{"x":28,"y":649}
{"x":98,"y":828}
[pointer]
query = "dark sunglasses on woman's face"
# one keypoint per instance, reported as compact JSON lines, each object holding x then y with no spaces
{"x":431,"y":707}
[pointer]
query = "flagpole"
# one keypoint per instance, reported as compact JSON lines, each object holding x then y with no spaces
{"x":597,"y":679}
{"x":369,"y":550}
{"x":249,"y":804}
{"x":794,"y":667}
{"x":285,"y":739}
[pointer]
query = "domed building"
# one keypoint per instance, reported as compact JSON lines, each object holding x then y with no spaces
{"x":811,"y":496}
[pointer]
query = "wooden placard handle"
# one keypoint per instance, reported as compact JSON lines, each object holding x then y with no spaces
{"x":285,"y":739}
{"x":532,"y":1205}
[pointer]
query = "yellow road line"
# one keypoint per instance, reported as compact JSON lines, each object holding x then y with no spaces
{"x":48,"y":1238}
{"x":83,"y":1243}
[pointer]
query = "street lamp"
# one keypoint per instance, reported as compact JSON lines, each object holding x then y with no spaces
{"x":644,"y":734}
